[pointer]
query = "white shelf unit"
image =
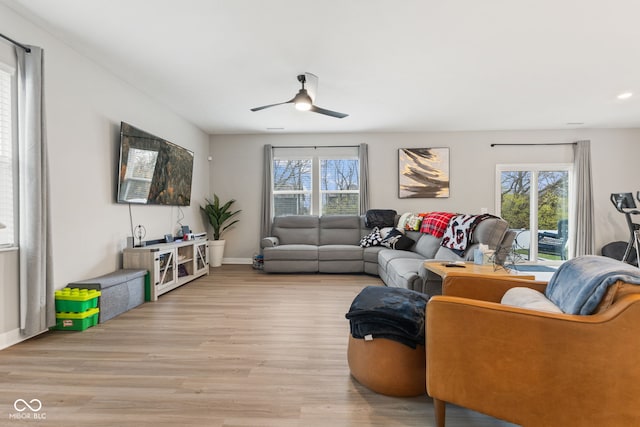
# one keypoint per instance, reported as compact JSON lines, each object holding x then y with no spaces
{"x":170,"y":264}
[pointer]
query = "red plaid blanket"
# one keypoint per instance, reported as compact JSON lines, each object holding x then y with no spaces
{"x":435,"y":223}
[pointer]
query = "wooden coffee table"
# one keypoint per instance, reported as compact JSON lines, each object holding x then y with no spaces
{"x":442,"y":268}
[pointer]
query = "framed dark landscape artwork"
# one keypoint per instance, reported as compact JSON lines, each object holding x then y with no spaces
{"x":423,"y":173}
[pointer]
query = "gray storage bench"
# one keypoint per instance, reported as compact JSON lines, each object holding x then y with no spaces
{"x":121,"y":291}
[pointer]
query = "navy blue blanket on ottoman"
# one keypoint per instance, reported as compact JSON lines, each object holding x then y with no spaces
{"x":393,"y":313}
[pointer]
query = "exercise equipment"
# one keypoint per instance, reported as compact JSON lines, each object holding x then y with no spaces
{"x":625,"y":204}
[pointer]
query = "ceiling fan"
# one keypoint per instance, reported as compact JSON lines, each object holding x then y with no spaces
{"x":304,"y":102}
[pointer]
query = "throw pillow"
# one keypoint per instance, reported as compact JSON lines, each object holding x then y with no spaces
{"x":402,"y":222}
{"x":529,"y":298}
{"x":372,"y":239}
{"x":380,"y":218}
{"x":414,"y":222}
{"x":385,"y":231}
{"x":396,"y":240}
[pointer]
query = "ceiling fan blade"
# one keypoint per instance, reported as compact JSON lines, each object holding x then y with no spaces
{"x":271,"y":105}
{"x":328,"y":112}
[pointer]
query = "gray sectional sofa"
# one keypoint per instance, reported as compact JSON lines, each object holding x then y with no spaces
{"x":331,"y":244}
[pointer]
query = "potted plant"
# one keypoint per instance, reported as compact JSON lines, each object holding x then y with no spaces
{"x":219,"y":216}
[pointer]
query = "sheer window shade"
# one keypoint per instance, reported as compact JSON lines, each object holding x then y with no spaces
{"x":7,"y":234}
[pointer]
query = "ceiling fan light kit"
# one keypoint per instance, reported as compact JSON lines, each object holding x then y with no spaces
{"x":303,"y":102}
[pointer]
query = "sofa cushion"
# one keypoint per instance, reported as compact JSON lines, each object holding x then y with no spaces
{"x":345,"y":266}
{"x":291,"y":252}
{"x":339,"y":230}
{"x":296,"y":229}
{"x":370,"y":254}
{"x":427,"y":246}
{"x":490,"y":232}
{"x":447,"y":254}
{"x":403,"y":273}
{"x":291,"y":266}
{"x":386,"y":255}
{"x":339,"y":252}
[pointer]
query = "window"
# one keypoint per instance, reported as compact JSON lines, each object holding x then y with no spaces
{"x":316,"y":181}
{"x":535,"y":200}
{"x":339,"y":189}
{"x":8,"y":169}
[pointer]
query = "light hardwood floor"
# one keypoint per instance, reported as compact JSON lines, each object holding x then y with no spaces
{"x":236,"y":348}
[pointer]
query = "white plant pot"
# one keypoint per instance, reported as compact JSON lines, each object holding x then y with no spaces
{"x":216,"y":251}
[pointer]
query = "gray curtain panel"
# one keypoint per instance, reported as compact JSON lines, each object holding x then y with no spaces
{"x":583,"y":236}
{"x":363,"y":152}
{"x":267,"y":186}
{"x":37,"y":304}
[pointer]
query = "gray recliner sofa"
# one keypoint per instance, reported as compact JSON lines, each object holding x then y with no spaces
{"x":312,"y":244}
{"x":331,"y":244}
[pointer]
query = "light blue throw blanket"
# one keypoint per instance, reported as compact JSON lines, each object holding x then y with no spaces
{"x":578,"y":286}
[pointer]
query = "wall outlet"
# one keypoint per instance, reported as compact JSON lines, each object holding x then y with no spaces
{"x":484,"y":210}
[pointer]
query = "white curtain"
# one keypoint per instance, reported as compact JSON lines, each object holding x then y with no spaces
{"x":267,"y":188}
{"x":583,"y":236}
{"x":364,"y":178}
{"x":37,"y":305}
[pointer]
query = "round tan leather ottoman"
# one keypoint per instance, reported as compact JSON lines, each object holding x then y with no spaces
{"x":388,"y":367}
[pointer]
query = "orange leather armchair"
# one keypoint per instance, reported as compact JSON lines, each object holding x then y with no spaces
{"x":529,"y":367}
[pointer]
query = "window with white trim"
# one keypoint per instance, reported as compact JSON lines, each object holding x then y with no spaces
{"x":316,"y":181}
{"x":536,"y":200}
{"x":8,"y":169}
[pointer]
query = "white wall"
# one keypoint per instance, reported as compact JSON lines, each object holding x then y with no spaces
{"x":237,"y":169}
{"x":84,"y":107}
{"x":85,"y":104}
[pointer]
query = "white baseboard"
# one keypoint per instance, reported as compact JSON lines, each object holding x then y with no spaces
{"x":10,"y":338}
{"x":237,"y":261}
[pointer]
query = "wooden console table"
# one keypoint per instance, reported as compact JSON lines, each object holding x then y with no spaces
{"x":169,"y":264}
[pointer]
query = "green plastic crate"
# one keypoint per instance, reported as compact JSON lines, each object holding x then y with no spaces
{"x":76,"y":300}
{"x":77,"y":321}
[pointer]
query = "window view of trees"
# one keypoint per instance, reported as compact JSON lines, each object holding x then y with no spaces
{"x":549,"y":205}
{"x":340,"y":187}
{"x":292,"y":187}
{"x":337,"y":188}
{"x":553,"y":198}
{"x":515,"y":198}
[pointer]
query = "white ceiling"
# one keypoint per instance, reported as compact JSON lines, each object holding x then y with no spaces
{"x":392,"y":65}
